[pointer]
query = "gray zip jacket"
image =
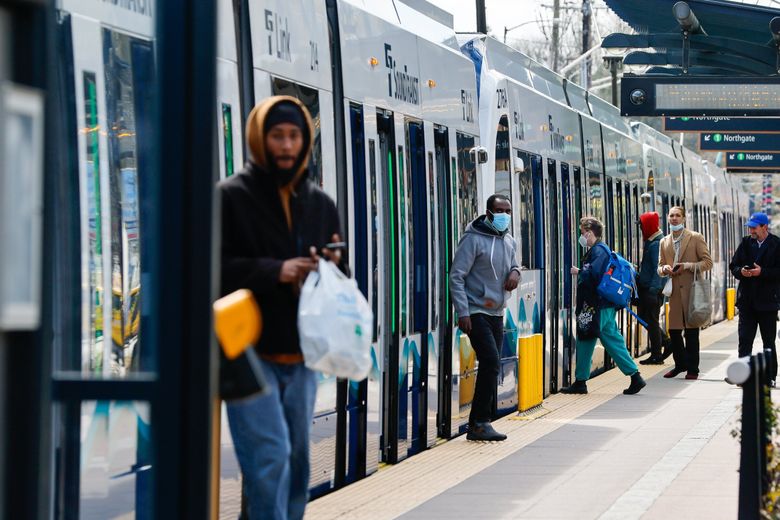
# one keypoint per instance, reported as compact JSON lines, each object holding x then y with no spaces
{"x":482,"y":263}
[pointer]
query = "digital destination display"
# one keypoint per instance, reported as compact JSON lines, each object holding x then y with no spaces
{"x":702,"y":96}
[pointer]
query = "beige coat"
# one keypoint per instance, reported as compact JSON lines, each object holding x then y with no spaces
{"x":693,"y":251}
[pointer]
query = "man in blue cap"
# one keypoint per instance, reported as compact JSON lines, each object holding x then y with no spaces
{"x":756,"y":264}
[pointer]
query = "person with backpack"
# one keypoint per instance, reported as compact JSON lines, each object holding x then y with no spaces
{"x":596,"y":315}
{"x":684,"y":253}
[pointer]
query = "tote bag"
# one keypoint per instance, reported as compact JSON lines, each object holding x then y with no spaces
{"x":699,"y":302}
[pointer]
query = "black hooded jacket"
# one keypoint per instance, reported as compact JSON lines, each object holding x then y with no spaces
{"x":256,"y":240}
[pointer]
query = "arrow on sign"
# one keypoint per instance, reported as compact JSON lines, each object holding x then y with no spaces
{"x":707,"y":137}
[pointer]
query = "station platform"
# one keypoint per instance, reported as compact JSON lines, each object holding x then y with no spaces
{"x":665,"y":451}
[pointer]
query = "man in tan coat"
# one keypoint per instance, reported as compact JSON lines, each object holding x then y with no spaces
{"x":682,"y":252}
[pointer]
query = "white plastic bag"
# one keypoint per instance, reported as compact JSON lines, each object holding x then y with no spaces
{"x":667,"y":291}
{"x":335,"y":324}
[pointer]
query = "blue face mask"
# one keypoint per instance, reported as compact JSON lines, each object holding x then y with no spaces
{"x":501,"y":221}
{"x":676,"y":227}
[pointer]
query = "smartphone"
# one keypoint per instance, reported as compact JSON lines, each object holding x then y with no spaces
{"x":676,"y":268}
{"x":747,"y":267}
{"x":335,"y":245}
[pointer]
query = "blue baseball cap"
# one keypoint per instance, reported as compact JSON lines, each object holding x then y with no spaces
{"x":758,"y":219}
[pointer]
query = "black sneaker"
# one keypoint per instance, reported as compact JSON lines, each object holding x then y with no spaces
{"x":484,"y":431}
{"x":637,"y":383}
{"x":577,"y":387}
{"x":668,"y":350}
{"x":652,"y":361}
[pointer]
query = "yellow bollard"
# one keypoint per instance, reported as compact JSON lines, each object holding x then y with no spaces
{"x":731,"y":299}
{"x":666,"y":313}
{"x":529,"y":359}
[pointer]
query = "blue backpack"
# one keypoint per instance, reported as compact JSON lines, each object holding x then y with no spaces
{"x":617,"y":283}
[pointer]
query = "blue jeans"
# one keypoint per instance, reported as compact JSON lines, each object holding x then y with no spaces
{"x":613,"y":343}
{"x":271,"y":437}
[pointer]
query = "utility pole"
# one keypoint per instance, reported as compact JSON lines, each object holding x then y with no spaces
{"x":556,"y":53}
{"x":481,"y":17}
{"x":585,"y":66}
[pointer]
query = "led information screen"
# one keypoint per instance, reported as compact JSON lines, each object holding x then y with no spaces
{"x":700,"y":96}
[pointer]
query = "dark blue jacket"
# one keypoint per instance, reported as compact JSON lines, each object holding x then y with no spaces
{"x":594,"y":263}
{"x":759,"y":293}
{"x":648,"y":278}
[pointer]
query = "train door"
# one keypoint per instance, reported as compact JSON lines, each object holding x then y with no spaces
{"x":416,"y":182}
{"x":393,"y":445}
{"x":360,"y":246}
{"x":553,"y":314}
{"x":567,"y":307}
{"x":506,"y":391}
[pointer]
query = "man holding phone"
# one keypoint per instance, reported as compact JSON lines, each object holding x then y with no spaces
{"x":756,"y":265}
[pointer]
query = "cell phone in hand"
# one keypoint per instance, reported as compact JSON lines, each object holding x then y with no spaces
{"x":676,"y":268}
{"x":747,"y":267}
{"x":335,"y":245}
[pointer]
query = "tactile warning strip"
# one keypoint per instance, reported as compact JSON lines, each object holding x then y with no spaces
{"x":397,"y":489}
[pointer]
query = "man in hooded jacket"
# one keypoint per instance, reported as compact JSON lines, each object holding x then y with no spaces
{"x":274,"y":223}
{"x":483,"y":273}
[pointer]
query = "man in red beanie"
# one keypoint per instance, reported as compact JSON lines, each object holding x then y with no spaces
{"x":650,"y":285}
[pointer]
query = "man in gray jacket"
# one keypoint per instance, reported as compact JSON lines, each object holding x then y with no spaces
{"x":483,"y":273}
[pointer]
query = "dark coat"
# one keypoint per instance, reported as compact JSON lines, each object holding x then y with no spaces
{"x":648,"y":279}
{"x":256,"y":240}
{"x":762,"y":292}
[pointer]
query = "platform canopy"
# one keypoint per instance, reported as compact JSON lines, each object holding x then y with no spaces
{"x":727,"y":38}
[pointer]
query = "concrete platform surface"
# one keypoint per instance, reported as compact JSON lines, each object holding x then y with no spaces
{"x":667,"y":451}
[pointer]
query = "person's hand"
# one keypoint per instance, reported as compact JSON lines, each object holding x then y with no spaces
{"x":512,"y":280}
{"x":756,"y":271}
{"x":747,"y":273}
{"x":574,"y":270}
{"x":295,"y":270}
{"x":667,"y":269}
{"x":464,"y":324}
{"x":334,"y":255}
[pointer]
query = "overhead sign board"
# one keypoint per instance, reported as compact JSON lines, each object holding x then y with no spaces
{"x":699,"y":96}
{"x":743,"y":141}
{"x":753,"y":161}
{"x":721,"y":124}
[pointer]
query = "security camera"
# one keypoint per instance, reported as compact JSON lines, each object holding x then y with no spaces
{"x":638,"y":96}
{"x":479,"y":154}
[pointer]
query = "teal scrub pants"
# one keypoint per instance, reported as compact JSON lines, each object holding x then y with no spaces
{"x":613,"y":342}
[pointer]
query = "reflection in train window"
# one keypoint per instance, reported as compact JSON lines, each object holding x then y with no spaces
{"x":374,"y":237}
{"x":403,"y":226}
{"x":310,"y":98}
{"x":468,"y":205}
{"x":92,"y":299}
{"x":502,"y":158}
{"x":227,"y":137}
{"x":595,"y":195}
{"x":128,"y":70}
{"x":524,"y":208}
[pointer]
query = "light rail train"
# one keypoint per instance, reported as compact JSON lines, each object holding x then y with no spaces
{"x":415,"y":127}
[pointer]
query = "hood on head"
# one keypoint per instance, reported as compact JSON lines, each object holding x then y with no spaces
{"x":255,"y":134}
{"x":650,"y":223}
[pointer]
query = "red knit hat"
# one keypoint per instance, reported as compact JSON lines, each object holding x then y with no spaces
{"x":650,"y":224}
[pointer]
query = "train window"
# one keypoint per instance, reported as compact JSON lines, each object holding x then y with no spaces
{"x":577,"y":209}
{"x":524,"y":210}
{"x":434,"y":240}
{"x":609,"y":223}
{"x":227,"y":137}
{"x":128,"y":70}
{"x":92,"y":301}
{"x":403,"y":227}
{"x":595,"y":195}
{"x":716,"y":238}
{"x":468,"y":204}
{"x":502,"y":158}
{"x":358,"y":148}
{"x":418,"y":231}
{"x":310,"y":98}
{"x":374,"y":237}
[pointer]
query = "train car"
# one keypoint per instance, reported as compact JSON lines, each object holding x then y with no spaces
{"x":535,"y":156}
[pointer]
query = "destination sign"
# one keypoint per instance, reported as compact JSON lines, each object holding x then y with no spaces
{"x":722,"y":124}
{"x":656,"y":95}
{"x":752,"y":161}
{"x":750,"y":142}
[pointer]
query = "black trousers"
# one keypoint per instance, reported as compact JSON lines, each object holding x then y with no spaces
{"x":749,"y":320}
{"x":686,"y":355}
{"x":648,"y":309}
{"x":487,"y":334}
